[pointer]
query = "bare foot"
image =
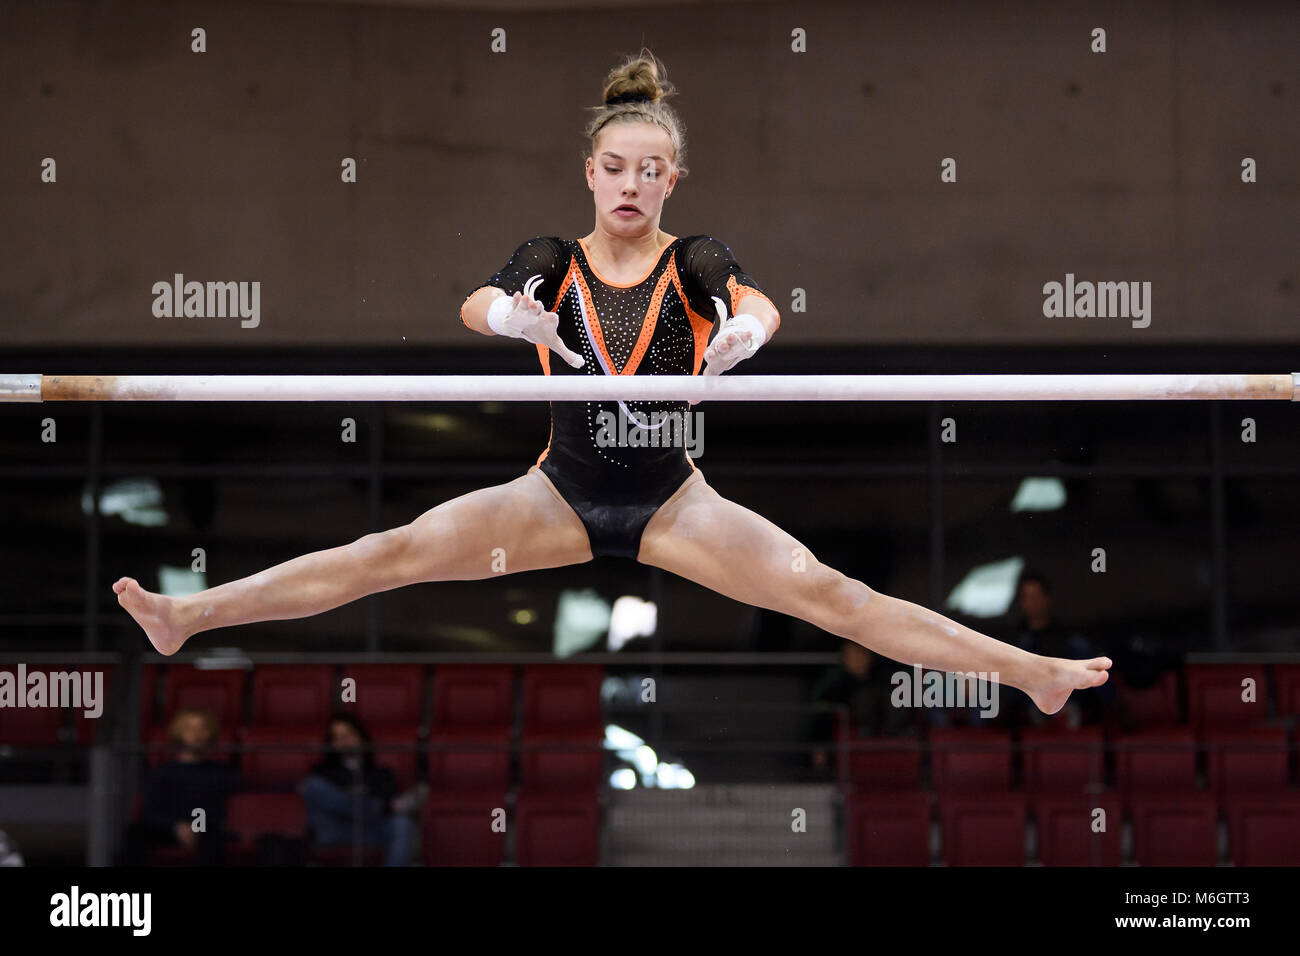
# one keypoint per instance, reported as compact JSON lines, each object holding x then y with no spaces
{"x":156,"y":613}
{"x":1066,"y":676}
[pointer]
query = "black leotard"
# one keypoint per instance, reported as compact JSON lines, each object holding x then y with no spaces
{"x":658,"y":325}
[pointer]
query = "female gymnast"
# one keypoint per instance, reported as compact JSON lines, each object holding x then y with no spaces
{"x":626,"y":299}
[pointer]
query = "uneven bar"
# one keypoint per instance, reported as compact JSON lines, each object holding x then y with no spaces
{"x":1283,"y":386}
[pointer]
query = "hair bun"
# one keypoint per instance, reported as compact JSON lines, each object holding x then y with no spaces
{"x":635,"y":91}
{"x":638,"y":79}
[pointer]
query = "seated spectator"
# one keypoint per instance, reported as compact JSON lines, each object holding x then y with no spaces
{"x":1039,"y":632}
{"x":350,"y":797}
{"x":191,"y":780}
{"x":862,"y":684}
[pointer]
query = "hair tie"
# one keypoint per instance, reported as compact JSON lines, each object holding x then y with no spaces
{"x":628,"y":98}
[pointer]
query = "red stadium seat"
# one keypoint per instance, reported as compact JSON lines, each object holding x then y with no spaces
{"x":1214,"y":694}
{"x":1264,"y":831}
{"x":469,"y":736}
{"x":293,"y":695}
{"x":277,"y":758}
{"x":557,"y":829}
{"x":1155,"y":761}
{"x":220,"y":691}
{"x":1063,"y":761}
{"x":984,"y":830}
{"x":1287,"y":677}
{"x":464,"y":829}
{"x":1149,"y":707}
{"x":562,"y":695}
{"x":1067,"y":834}
{"x":251,"y":815}
{"x":387,"y":695}
{"x":967,"y":760}
{"x":888,"y":829}
{"x":470,"y":759}
{"x":1175,"y":830}
{"x":472,"y":695}
{"x":881,"y":763}
{"x":31,"y":727}
{"x":1247,"y":761}
{"x":562,"y":759}
{"x":402,"y":759}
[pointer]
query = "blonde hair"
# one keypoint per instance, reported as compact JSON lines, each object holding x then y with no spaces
{"x":635,"y":92}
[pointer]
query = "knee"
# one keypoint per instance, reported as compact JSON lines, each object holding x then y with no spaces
{"x":837,"y":599}
{"x":384,"y":550}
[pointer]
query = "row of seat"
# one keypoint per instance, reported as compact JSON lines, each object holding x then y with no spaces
{"x":458,"y":731}
{"x":467,"y":829}
{"x":294,"y":695}
{"x":894,"y":829}
{"x":298,"y":695}
{"x":305,"y":695}
{"x":402,"y":694}
{"x":1163,"y":759}
{"x":273,"y":758}
{"x":882,"y":829}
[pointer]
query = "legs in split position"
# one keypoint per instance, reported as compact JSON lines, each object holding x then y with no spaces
{"x":730,"y":549}
{"x":699,"y":535}
{"x":456,"y":541}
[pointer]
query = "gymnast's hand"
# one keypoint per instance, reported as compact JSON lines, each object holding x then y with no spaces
{"x":523,"y":317}
{"x":738,"y":338}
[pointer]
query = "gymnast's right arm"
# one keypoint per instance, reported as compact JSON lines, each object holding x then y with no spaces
{"x":507,"y":304}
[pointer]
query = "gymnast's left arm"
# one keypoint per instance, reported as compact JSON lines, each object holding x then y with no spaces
{"x":717,"y":284}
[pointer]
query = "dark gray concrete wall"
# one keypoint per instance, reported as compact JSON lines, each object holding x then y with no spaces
{"x":820,"y":169}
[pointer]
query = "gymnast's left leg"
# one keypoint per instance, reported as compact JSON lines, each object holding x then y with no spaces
{"x":702,"y":536}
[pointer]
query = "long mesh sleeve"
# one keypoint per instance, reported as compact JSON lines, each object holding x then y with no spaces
{"x":544,"y":256}
{"x":709,"y":269}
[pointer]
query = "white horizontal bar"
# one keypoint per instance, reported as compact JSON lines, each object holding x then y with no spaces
{"x":577,"y":388}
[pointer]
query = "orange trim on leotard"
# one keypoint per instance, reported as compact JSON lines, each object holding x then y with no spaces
{"x":625,"y":285}
{"x":544,"y":356}
{"x":648,"y":323}
{"x":544,"y":353}
{"x":739,"y":291}
{"x":700,"y":326}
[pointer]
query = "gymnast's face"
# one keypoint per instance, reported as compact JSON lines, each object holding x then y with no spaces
{"x":632,"y":164}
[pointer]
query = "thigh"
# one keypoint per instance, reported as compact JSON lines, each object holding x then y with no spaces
{"x":522,"y":525}
{"x":737,"y":552}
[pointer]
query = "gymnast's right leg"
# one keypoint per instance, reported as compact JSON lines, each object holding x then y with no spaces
{"x":456,"y":541}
